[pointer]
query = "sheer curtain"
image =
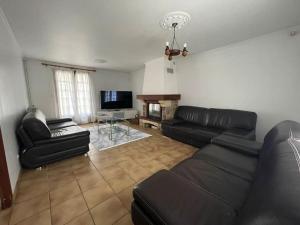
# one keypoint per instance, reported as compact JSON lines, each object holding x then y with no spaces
{"x":64,"y":80}
{"x":75,"y":95}
{"x":85,"y":97}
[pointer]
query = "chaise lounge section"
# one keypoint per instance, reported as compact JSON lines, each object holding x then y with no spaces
{"x":197,"y":125}
{"x":230,"y":182}
{"x":43,"y":142}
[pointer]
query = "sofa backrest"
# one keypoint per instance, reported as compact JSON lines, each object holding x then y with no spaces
{"x":192,"y":114}
{"x":23,"y":138}
{"x":231,"y":119}
{"x":275,"y":195}
{"x":34,"y":123}
{"x":217,"y":118}
{"x":281,"y":132}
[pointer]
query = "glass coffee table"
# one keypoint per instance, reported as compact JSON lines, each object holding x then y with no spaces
{"x":109,"y":124}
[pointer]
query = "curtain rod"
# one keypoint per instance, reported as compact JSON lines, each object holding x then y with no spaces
{"x":68,"y":67}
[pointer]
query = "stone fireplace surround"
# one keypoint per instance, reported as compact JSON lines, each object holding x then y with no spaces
{"x":168,"y":104}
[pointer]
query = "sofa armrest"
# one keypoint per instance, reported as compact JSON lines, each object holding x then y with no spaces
{"x":53,"y":121}
{"x":171,"y":122}
{"x":182,"y":202}
{"x":242,"y":145}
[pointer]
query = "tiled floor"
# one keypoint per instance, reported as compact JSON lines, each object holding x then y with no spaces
{"x":94,"y":189}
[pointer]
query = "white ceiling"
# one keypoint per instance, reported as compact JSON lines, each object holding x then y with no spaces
{"x":127,"y":33}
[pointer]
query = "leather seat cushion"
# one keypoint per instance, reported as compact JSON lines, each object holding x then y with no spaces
{"x":56,"y":126}
{"x":238,"y":164}
{"x":215,"y":181}
{"x":182,"y":202}
{"x":194,"y":131}
{"x":241,"y":133}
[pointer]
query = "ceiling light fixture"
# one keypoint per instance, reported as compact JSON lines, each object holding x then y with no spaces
{"x":175,"y":21}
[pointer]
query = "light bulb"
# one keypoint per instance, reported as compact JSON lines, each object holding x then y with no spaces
{"x":167,"y":43}
{"x":185,"y":45}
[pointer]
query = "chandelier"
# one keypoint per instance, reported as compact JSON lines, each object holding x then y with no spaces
{"x":175,"y":21}
{"x":174,"y":50}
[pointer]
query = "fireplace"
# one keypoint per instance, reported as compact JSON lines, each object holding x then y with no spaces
{"x":154,"y":111}
{"x":157,"y":108}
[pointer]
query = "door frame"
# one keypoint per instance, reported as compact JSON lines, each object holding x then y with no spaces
{"x":5,"y":186}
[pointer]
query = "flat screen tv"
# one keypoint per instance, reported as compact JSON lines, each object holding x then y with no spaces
{"x":116,"y":99}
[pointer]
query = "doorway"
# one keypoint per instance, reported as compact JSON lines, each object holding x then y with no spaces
{"x":5,"y":187}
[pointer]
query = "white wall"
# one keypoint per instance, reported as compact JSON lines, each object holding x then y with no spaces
{"x":13,"y":95}
{"x":110,"y":80}
{"x":41,"y":84}
{"x":156,"y":78}
{"x":261,"y":75}
{"x":137,"y":81}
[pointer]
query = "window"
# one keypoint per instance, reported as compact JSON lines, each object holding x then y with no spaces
{"x":83,"y":93}
{"x":74,"y":95}
{"x":110,"y":96}
{"x":65,"y":92}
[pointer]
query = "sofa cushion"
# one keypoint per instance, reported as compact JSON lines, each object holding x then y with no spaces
{"x":181,"y":134}
{"x":34,"y":123}
{"x":182,"y":202}
{"x":192,"y":114}
{"x":171,"y":122}
{"x":241,"y":133}
{"x":229,"y":119}
{"x":240,"y":165}
{"x":214,"y":180}
{"x":244,"y":146}
{"x":195,"y":132}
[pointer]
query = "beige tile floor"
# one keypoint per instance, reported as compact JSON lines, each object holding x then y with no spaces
{"x":91,"y":190}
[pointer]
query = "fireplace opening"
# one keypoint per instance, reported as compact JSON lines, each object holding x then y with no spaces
{"x":154,"y":111}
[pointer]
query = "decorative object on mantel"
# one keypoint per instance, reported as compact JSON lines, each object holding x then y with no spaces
{"x":175,"y":21}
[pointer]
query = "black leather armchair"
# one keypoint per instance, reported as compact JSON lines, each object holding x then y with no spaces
{"x":43,"y":142}
{"x":197,"y":125}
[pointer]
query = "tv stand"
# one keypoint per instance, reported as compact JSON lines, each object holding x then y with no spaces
{"x":122,"y":113}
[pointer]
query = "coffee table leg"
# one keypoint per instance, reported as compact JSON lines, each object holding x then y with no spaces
{"x":110,"y":130}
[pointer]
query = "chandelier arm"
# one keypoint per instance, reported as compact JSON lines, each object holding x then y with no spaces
{"x":177,"y":44}
{"x":174,"y":38}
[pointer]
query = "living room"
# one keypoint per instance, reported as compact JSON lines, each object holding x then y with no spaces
{"x":129,"y":112}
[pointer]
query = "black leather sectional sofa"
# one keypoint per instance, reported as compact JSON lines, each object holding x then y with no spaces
{"x":43,"y":142}
{"x":229,"y":182}
{"x":197,"y":125}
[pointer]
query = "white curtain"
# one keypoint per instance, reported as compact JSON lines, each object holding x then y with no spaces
{"x":64,"y":80}
{"x":85,"y":98}
{"x":75,"y":95}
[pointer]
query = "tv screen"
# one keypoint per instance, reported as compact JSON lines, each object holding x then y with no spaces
{"x":116,"y":99}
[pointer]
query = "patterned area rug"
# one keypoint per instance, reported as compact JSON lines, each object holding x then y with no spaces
{"x":121,"y":135}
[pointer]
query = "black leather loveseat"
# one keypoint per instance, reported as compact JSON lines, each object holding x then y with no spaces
{"x":43,"y":142}
{"x":229,"y":182}
{"x":197,"y":125}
